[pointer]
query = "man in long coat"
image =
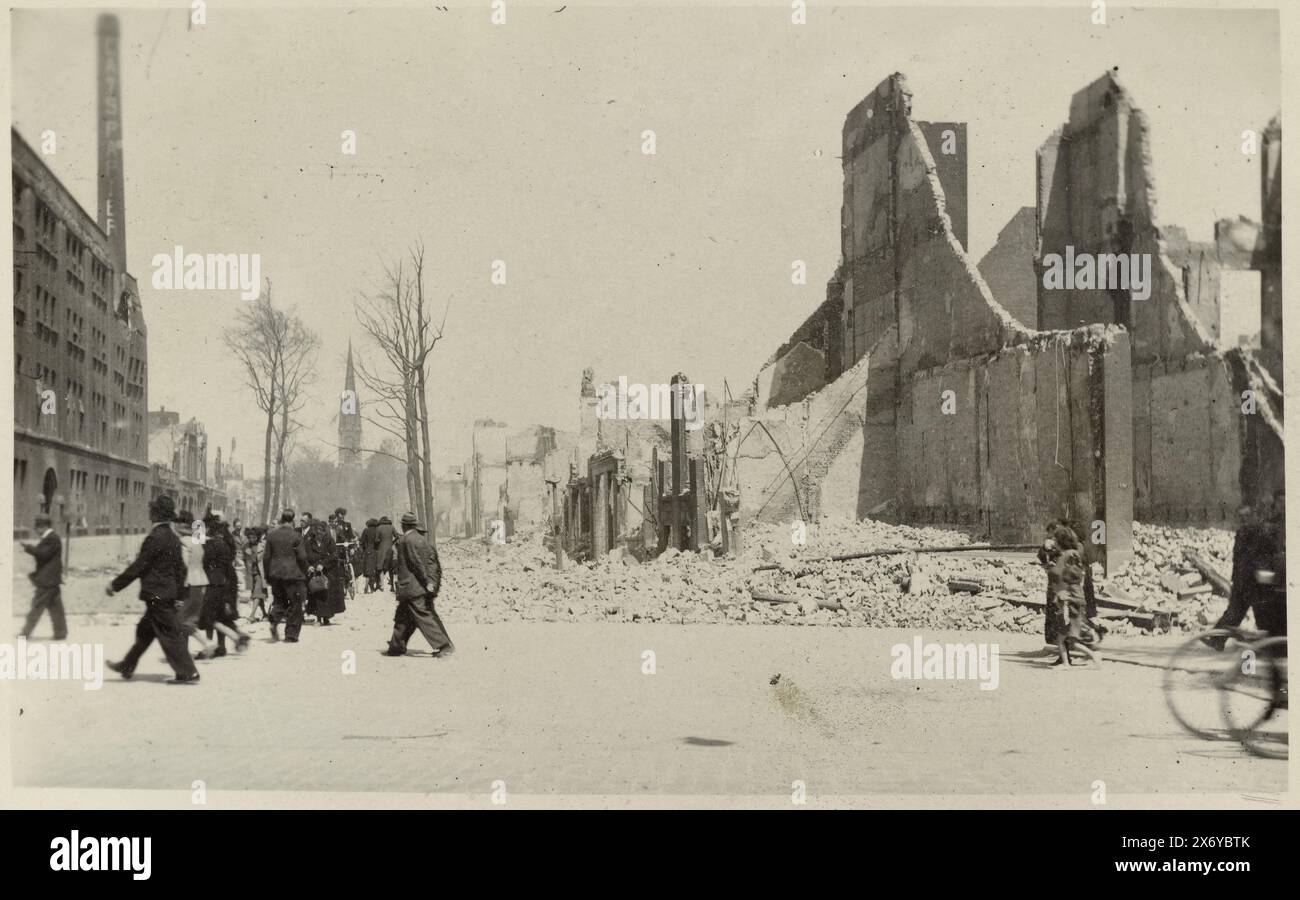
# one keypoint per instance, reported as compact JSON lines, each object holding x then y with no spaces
{"x":160,"y":568}
{"x":47,"y":579}
{"x":419,"y":578}
{"x":385,"y":538}
{"x":285,"y":564}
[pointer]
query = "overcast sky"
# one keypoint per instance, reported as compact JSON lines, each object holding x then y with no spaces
{"x":523,"y":143}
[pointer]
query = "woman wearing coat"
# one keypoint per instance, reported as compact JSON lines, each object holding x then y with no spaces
{"x":196,"y":580}
{"x":257,"y":584}
{"x":220,"y":601}
{"x":323,"y":558}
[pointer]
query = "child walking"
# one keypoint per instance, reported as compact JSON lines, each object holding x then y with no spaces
{"x":1063,"y":558}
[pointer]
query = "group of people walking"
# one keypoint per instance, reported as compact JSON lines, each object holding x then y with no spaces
{"x":377,"y":550}
{"x":188,"y":582}
{"x":187,"y":570}
{"x":188,"y":574}
{"x":297,"y":566}
{"x":309,"y":568}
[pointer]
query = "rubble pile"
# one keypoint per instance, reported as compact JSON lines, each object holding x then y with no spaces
{"x":519,"y":581}
{"x":1161,"y":576}
{"x":962,"y":591}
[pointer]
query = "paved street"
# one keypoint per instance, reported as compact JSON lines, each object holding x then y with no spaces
{"x":565,"y":709}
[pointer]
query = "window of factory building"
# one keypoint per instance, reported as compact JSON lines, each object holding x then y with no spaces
{"x":46,"y":258}
{"x":74,"y":282}
{"x":74,"y":325}
{"x":45,"y":305}
{"x":46,"y":221}
{"x":76,"y":249}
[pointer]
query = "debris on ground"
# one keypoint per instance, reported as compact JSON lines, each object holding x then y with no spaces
{"x":1161,"y":588}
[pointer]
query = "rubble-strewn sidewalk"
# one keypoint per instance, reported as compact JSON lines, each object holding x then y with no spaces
{"x":956,"y":591}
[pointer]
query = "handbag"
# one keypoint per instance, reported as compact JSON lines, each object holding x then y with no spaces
{"x":317,"y":583}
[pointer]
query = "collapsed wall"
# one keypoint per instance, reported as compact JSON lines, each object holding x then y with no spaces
{"x":1008,"y":267}
{"x":1201,"y":444}
{"x":926,"y":397}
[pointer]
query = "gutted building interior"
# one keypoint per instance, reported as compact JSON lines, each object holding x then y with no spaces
{"x":926,"y":388}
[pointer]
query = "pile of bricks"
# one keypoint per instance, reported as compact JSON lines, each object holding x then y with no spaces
{"x":953,"y":591}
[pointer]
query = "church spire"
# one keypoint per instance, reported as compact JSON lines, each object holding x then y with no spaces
{"x":350,"y":379}
{"x":349,"y":418}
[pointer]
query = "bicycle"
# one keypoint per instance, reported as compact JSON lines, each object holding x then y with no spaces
{"x":347,"y":563}
{"x":1230,"y":683}
{"x":1255,"y":701}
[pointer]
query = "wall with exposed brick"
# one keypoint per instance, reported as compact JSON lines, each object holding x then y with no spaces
{"x":1032,"y":411}
{"x":1008,"y":267}
{"x":1191,"y":438}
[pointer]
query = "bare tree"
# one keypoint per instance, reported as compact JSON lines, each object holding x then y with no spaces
{"x":276,"y":351}
{"x":399,"y":321}
{"x":253,"y":340}
{"x":296,"y":370}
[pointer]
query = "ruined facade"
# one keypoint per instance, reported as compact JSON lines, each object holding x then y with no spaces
{"x":180,"y":466}
{"x":913,"y":392}
{"x":1201,"y":444}
{"x":509,"y":477}
{"x":1008,"y":267}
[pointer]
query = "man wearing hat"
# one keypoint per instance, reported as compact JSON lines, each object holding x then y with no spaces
{"x":47,"y":579}
{"x":418,"y":576}
{"x":285,"y":565}
{"x":160,"y":567}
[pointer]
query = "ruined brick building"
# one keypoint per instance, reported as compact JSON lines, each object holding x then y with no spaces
{"x":927,"y":389}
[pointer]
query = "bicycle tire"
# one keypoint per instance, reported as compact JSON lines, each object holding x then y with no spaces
{"x":1191,"y":683}
{"x":1269,"y":743}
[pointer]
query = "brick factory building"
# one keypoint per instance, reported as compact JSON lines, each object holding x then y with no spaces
{"x":81,"y":440}
{"x":81,"y":449}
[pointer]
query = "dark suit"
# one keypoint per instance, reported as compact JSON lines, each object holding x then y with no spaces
{"x":285,"y":562}
{"x":1256,"y":547}
{"x":160,"y":567}
{"x":419,"y":578}
{"x":47,"y":578}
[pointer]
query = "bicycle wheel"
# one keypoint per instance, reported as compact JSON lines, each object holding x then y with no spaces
{"x":1255,"y":700}
{"x":1192,"y":679}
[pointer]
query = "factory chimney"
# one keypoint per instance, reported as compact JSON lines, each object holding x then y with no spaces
{"x":112,"y":204}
